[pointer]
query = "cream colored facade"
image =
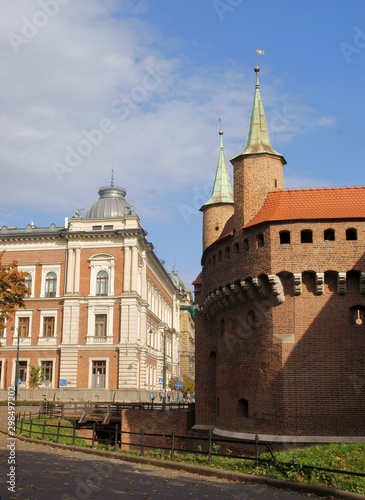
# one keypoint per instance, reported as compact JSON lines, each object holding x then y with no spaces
{"x":100,"y":307}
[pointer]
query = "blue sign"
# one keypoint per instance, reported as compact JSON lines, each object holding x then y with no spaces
{"x":63,"y":382}
{"x":19,"y":381}
{"x":178,"y":385}
{"x":160,"y":380}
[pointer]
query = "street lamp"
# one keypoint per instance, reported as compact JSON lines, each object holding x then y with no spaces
{"x":17,"y":362}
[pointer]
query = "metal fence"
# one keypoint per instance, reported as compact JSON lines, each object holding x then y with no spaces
{"x":208,"y":447}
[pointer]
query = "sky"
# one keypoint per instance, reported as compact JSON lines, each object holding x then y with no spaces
{"x":139,"y":87}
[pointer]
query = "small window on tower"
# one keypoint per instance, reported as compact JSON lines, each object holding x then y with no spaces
{"x":244,"y":407}
{"x":351,"y":234}
{"x":329,"y":235}
{"x":306,"y":236}
{"x":284,"y":237}
{"x":219,"y":256}
{"x":246,"y":244}
{"x":228,"y":253}
{"x":260,"y":240}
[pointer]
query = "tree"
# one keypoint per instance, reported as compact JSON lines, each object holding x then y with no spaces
{"x":35,"y":376}
{"x":172,"y":382}
{"x":12,"y":288}
{"x":188,"y":385}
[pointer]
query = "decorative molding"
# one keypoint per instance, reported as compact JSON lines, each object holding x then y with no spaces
{"x":260,"y":286}
{"x":277,"y":288}
{"x":319,"y":283}
{"x":249,"y":289}
{"x":239,"y":293}
{"x":298,"y":287}
{"x":341,"y":283}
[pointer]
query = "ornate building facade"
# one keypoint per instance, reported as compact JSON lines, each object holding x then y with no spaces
{"x":280,"y":302}
{"x":103,"y":312}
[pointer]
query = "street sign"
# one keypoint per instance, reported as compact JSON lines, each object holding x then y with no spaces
{"x":19,"y":381}
{"x":63,"y":382}
{"x":160,"y":381}
{"x":178,"y":385}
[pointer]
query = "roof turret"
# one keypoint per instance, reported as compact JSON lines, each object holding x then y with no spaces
{"x":258,"y":139}
{"x":222,"y":189}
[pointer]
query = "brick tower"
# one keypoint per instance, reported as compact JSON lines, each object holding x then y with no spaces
{"x":220,"y":207}
{"x":258,"y":169}
{"x":280,"y":305}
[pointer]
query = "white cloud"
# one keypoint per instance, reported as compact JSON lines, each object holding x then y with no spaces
{"x":97,"y":60}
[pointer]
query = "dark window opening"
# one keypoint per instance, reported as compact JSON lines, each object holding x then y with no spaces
{"x":236,"y":247}
{"x":306,"y":236}
{"x":284,"y":237}
{"x":260,"y":240}
{"x":217,"y":407}
{"x":246,"y":244}
{"x":251,"y":319}
{"x":244,"y":407}
{"x":219,"y":256}
{"x":351,"y":234}
{"x":222,"y":328}
{"x":213,"y":259}
{"x":216,"y":228}
{"x":228,"y":253}
{"x":329,"y":235}
{"x":276,"y":183}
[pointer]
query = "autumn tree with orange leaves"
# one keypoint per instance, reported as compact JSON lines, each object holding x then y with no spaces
{"x":12,"y":289}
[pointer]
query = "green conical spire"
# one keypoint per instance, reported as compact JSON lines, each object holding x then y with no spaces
{"x":222,"y":189}
{"x":258,"y":139}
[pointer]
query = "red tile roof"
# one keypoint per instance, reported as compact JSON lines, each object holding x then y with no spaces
{"x":307,"y":204}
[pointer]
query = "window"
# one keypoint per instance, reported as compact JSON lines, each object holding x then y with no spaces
{"x":243,"y":403}
{"x":23,"y":328}
{"x":246,"y":245}
{"x":2,"y":327}
{"x":48,"y":326}
{"x":28,"y":283}
{"x":222,"y":328}
{"x":284,"y":237}
{"x":100,"y":325}
{"x":351,"y":234}
{"x":98,"y":374}
{"x":357,"y":315}
{"x":108,"y":228}
{"x":219,"y":256}
{"x":260,"y":240}
{"x":102,"y":280}
{"x":228,"y":253}
{"x":22,"y":371}
{"x":236,"y":248}
{"x":329,"y":235}
{"x":96,"y":228}
{"x":51,"y":283}
{"x":47,"y":371}
{"x":306,"y":236}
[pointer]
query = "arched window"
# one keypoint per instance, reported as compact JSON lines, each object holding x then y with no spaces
{"x":351,"y":234}
{"x":260,"y":240}
{"x":246,"y":244}
{"x":28,"y":283}
{"x":236,"y":248}
{"x":102,"y":279}
{"x":329,"y":235}
{"x":306,"y":236}
{"x":243,"y":403}
{"x":51,"y":285}
{"x":284,"y":237}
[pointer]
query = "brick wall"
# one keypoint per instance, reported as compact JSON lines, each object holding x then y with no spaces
{"x":315,"y":383}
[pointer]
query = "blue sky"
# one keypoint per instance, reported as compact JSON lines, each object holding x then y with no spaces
{"x":148,"y":80}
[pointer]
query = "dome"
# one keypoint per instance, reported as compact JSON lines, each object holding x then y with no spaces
{"x":183,"y":287}
{"x":111,"y":204}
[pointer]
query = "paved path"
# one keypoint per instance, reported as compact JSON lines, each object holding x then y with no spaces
{"x":45,"y":473}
